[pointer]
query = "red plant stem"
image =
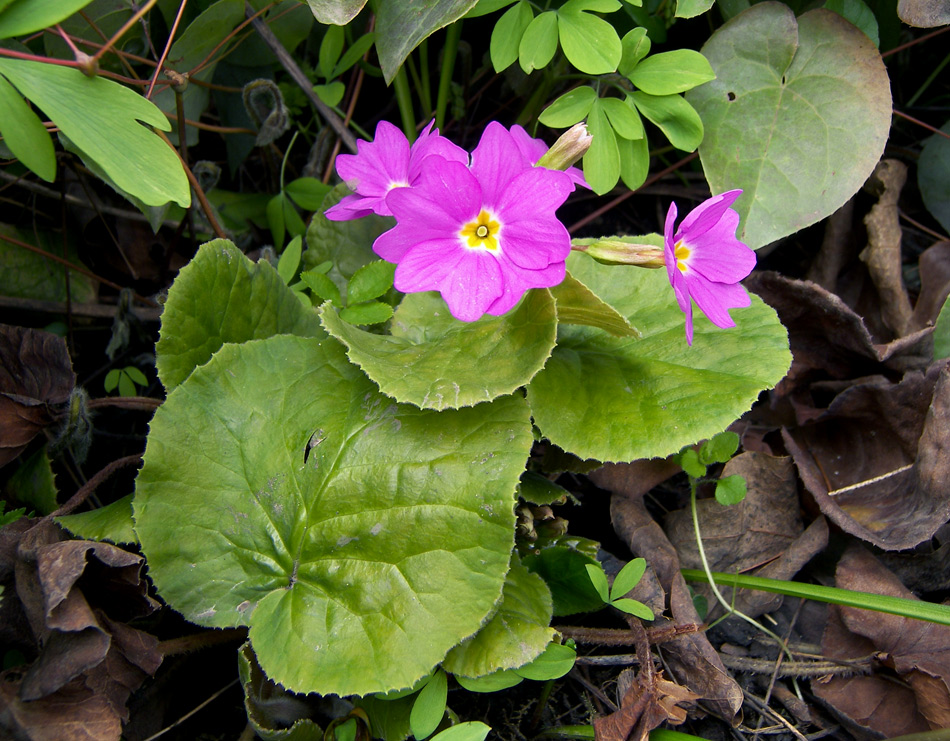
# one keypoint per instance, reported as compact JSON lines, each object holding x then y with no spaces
{"x":914,"y":42}
{"x":135,"y":403}
{"x":168,"y":46}
{"x":921,"y":124}
{"x":199,"y":193}
{"x":624,"y":196}
{"x":87,"y":489}
{"x":125,"y":27}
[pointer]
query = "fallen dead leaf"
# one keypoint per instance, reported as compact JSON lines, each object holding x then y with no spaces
{"x":934,"y":269}
{"x":647,"y":703}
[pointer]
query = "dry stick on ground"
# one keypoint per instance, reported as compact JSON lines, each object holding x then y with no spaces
{"x":86,"y":490}
{"x":300,"y":78}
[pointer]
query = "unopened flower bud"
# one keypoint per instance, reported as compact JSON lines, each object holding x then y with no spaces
{"x":619,"y":251}
{"x":568,"y":149}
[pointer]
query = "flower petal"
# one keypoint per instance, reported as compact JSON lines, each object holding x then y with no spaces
{"x":496,"y":161}
{"x":669,"y":248}
{"x":715,"y":299}
{"x":377,"y":164}
{"x":717,"y":255}
{"x":706,"y":215}
{"x":350,"y":207}
{"x":535,"y":244}
{"x":428,"y":144}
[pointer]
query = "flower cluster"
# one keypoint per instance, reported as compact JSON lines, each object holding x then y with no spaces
{"x":481,"y":231}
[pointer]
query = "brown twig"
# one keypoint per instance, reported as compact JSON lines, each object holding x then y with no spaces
{"x":136,"y":403}
{"x":87,"y":489}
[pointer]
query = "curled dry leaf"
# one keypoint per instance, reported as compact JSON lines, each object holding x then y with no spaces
{"x":88,"y":660}
{"x":36,"y":378}
{"x":648,"y":702}
{"x":918,"y":651}
{"x":876,"y":461}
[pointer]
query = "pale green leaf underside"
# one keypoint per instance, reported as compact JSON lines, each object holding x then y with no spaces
{"x":24,"y":133}
{"x":454,"y":364}
{"x":219,"y":297}
{"x":577,"y":304}
{"x":652,"y":396}
{"x":359,"y":539}
{"x":516,"y":635}
{"x":797,"y":116}
{"x":102,"y":118}
{"x":336,"y":12}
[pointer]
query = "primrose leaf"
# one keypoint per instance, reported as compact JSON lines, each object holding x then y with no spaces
{"x":434,"y":361}
{"x":672,"y":72}
{"x":602,"y":161}
{"x":112,"y":522}
{"x":577,"y":304}
{"x":628,"y":577}
{"x":590,"y":43}
{"x":599,"y":579}
{"x":797,"y":116}
{"x":730,"y":489}
{"x":506,"y":35}
{"x":676,"y":118}
{"x":556,"y":661}
{"x":539,"y":42}
{"x":402,"y":24}
{"x":859,"y":14}
{"x":516,"y":634}
{"x":429,"y":706}
{"x":103,"y":118}
{"x":570,"y":108}
{"x":650,"y":397}
{"x":278,"y":490}
{"x":221,"y":297}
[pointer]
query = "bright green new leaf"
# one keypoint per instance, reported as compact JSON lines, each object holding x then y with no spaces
{"x":308,"y":193}
{"x":692,"y":8}
{"x":623,"y":118}
{"x":389,"y":718}
{"x":290,"y":260}
{"x":102,"y":118}
{"x":672,"y":72}
{"x":321,"y":286}
{"x":28,"y":16}
{"x":577,"y":304}
{"x":676,"y":118}
{"x":491,"y":683}
{"x":332,"y":93}
{"x":942,"y":333}
{"x":369,"y":312}
{"x":730,"y":489}
{"x":719,"y":448}
{"x":506,"y":35}
{"x":434,"y":361}
{"x":354,"y":53}
{"x":556,"y":661}
{"x":933,"y":179}
{"x":221,"y":297}
{"x":633,"y":607}
{"x":330,"y":50}
{"x":484,"y":7}
{"x":689,"y":462}
{"x":516,"y":634}
{"x":402,"y":24}
{"x":590,"y":43}
{"x":599,"y":579}
{"x":472,"y":730}
{"x":24,"y":133}
{"x":652,"y":396}
{"x":112,"y":522}
{"x":370,"y":281}
{"x":797,"y":116}
{"x":859,"y":14}
{"x":540,"y":490}
{"x":539,"y":42}
{"x":628,"y":577}
{"x":275,"y":219}
{"x":570,"y":108}
{"x":563,"y":566}
{"x":636,"y":45}
{"x":335,"y":12}
{"x":602,"y":161}
{"x":359,"y":539}
{"x":634,"y":161}
{"x":429,"y":706}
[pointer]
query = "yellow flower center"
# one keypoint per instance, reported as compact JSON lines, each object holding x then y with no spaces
{"x":681,"y":252}
{"x":482,"y":232}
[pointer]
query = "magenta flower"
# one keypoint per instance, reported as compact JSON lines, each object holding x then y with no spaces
{"x":705,"y":261}
{"x":534,"y":149}
{"x":385,"y":163}
{"x":481,"y":236}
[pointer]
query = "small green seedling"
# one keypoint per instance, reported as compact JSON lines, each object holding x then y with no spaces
{"x":126,"y":379}
{"x":12,"y":516}
{"x":718,"y":449}
{"x":362,"y":291}
{"x":624,"y":581}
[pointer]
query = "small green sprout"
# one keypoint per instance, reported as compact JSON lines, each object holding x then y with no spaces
{"x":126,"y":379}
{"x":718,"y":449}
{"x":624,"y":581}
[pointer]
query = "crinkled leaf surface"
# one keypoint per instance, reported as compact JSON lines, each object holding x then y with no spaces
{"x":797,"y":116}
{"x":650,"y":397}
{"x":517,"y":634}
{"x":102,"y":118}
{"x":219,"y":297}
{"x":434,"y":361}
{"x":402,"y":24}
{"x":359,"y":539}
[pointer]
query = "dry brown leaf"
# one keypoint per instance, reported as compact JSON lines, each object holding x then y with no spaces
{"x":36,"y":378}
{"x":875,"y":461}
{"x":924,"y":13}
{"x":934,"y":268}
{"x":649,"y":702}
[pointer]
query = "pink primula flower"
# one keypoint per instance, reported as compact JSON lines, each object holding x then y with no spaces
{"x":481,"y":236}
{"x":534,"y":149}
{"x":385,"y":163}
{"x":705,"y":261}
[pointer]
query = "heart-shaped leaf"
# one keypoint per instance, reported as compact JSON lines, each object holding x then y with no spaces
{"x":359,"y":539}
{"x":797,"y":116}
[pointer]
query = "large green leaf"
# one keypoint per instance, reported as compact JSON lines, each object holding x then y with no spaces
{"x":933,"y":175}
{"x":220,"y":297}
{"x":517,"y":633}
{"x":359,"y":539}
{"x":102,"y":118}
{"x":618,"y":399}
{"x":402,"y":24}
{"x":797,"y":116}
{"x":434,"y":361}
{"x":27,"y":16}
{"x":24,"y":133}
